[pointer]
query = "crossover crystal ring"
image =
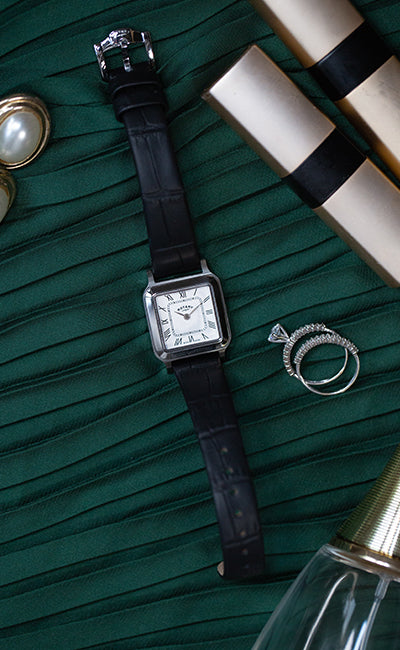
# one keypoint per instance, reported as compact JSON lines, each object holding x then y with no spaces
{"x":279,"y":335}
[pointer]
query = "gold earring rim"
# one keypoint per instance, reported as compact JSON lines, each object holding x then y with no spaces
{"x":21,"y":103}
{"x":7,"y":184}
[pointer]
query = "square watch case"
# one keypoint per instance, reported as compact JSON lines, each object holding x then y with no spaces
{"x":186,"y":316}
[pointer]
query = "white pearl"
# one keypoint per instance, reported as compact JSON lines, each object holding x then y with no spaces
{"x":20,"y":135}
{"x":4,"y":203}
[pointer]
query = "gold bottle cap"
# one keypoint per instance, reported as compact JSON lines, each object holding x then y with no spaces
{"x":375,"y":523}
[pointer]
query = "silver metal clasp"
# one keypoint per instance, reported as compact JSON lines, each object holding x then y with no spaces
{"x":122,"y":38}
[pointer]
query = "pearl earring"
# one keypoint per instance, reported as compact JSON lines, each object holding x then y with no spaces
{"x":24,"y":132}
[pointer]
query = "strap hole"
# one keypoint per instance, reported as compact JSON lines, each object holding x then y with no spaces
{"x":234,"y":492}
{"x":229,"y":471}
{"x":224,"y":450}
{"x":239,"y":513}
{"x":243,"y":533}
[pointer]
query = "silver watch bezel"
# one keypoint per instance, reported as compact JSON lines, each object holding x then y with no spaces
{"x":157,"y":287}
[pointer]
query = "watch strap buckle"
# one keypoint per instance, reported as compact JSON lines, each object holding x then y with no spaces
{"x":122,"y":39}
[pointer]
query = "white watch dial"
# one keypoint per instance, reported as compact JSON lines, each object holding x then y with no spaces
{"x":188,"y":317}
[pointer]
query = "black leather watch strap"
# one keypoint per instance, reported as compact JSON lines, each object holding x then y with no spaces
{"x":211,"y":407}
{"x":139,"y":103}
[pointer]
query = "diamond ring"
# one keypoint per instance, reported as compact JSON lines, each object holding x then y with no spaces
{"x":293,"y":364}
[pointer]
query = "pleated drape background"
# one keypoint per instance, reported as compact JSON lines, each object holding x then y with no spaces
{"x":108,"y":537}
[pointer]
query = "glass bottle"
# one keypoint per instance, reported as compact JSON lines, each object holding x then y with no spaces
{"x":348,"y":596}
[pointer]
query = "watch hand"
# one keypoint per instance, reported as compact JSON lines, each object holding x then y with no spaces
{"x":197,"y":306}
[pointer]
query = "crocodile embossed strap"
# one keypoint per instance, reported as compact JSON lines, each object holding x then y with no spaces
{"x":139,"y":103}
{"x":211,"y":407}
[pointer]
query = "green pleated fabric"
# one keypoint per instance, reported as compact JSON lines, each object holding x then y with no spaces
{"x":108,"y":536}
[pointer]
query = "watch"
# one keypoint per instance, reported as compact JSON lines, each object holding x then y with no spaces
{"x":186,"y":316}
{"x":184,"y":303}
